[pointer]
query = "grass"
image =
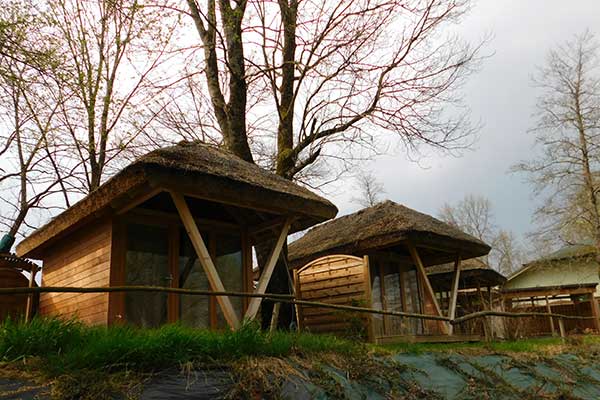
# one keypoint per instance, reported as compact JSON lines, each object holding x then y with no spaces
{"x":63,"y":346}
{"x":532,"y":345}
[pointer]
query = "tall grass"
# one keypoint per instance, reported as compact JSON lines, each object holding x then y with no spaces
{"x":67,"y":345}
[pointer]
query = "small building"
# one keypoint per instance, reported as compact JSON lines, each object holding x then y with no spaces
{"x":563,"y":282}
{"x":378,"y":257}
{"x":186,"y":216}
{"x":12,"y":275}
{"x":478,"y":290}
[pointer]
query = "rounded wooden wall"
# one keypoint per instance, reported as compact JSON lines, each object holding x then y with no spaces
{"x":12,"y":305}
{"x":335,"y":279}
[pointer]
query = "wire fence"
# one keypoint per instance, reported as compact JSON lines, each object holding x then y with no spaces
{"x":286,"y":298}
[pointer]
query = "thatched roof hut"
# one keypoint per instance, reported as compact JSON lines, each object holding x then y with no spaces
{"x":474,"y":273}
{"x":185,"y":216}
{"x":192,"y":167}
{"x":386,"y":225}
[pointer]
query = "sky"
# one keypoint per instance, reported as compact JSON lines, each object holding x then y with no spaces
{"x":502,"y":97}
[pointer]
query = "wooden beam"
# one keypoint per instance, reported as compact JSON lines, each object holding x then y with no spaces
{"x":29,"y":309}
{"x":205,"y":259}
{"x":265,"y":277}
{"x":595,"y":311}
{"x":549,"y":309}
{"x":429,"y":290}
{"x":369,"y":299}
{"x":274,"y":317}
{"x":454,"y":293}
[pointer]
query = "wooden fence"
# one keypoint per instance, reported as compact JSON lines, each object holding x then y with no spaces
{"x":284,"y":298}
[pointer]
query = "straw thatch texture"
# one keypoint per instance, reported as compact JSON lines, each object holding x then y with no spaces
{"x":196,"y":169}
{"x":381,"y":226}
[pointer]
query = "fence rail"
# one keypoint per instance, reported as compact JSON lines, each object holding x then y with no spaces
{"x":283,"y":298}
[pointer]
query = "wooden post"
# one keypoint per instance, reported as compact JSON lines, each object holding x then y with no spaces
{"x":429,"y":290}
{"x":205,"y":259}
{"x":549,"y":310}
{"x":595,"y":311}
{"x":265,"y":277}
{"x":454,"y":294}
{"x":274,"y":317}
{"x":298,"y":296}
{"x":561,"y":326}
{"x":369,"y":298}
{"x":29,"y":307}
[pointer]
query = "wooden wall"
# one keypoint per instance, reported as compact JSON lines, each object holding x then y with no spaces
{"x":12,"y":306}
{"x":338,"y":279}
{"x":81,"y":259}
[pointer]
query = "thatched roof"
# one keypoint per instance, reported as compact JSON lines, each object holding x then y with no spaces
{"x":382,"y":226}
{"x":473,"y":273}
{"x":196,"y":169}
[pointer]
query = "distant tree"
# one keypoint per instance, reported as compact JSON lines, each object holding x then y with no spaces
{"x":567,"y":134}
{"x":368,"y":189}
{"x":474,"y":215}
{"x":115,"y":57}
{"x":28,"y":145}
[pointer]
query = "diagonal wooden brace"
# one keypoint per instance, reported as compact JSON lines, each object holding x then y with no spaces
{"x":205,"y":259}
{"x":265,"y":277}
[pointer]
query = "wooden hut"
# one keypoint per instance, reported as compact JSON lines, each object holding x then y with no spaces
{"x":12,"y":275}
{"x":185,"y":216}
{"x":478,"y":290}
{"x":378,"y":257}
{"x":563,"y":282}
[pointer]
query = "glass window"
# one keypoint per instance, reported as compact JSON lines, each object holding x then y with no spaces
{"x":193,"y":310}
{"x":146,"y":264}
{"x":229,"y":264}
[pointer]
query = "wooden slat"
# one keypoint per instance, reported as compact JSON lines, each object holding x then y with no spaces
{"x":267,"y":271}
{"x":205,"y":259}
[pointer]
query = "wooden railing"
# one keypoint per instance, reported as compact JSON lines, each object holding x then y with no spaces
{"x":285,"y":298}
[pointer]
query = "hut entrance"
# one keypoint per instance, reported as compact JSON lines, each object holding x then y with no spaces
{"x":395,"y":287}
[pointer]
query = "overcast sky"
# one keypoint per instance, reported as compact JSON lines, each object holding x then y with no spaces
{"x":502,"y":97}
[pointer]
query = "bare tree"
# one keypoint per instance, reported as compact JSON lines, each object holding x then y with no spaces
{"x":474,"y":215}
{"x":28,"y":175}
{"x":116,"y":58}
{"x":567,"y":133}
{"x":369,"y":190}
{"x":334,"y":72}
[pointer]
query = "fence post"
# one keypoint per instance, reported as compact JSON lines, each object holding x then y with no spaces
{"x":561,"y":326}
{"x":274,"y":317}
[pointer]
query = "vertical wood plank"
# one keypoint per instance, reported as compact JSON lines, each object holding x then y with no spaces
{"x":274,"y":317}
{"x":595,"y":311}
{"x":205,"y":259}
{"x":265,"y":277}
{"x":118,"y":254}
{"x":299,"y":313}
{"x":173,"y":299}
{"x":369,"y":299}
{"x":549,"y":311}
{"x":29,"y":306}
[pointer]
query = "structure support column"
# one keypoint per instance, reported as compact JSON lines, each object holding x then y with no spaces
{"x":29,"y":309}
{"x":265,"y":277}
{"x":425,"y":279}
{"x":454,"y":293}
{"x":595,"y":311}
{"x":549,"y":311}
{"x":205,"y":259}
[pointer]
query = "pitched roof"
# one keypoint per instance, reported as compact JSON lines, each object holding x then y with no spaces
{"x":192,"y":168}
{"x":383,"y":225}
{"x":564,"y":254}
